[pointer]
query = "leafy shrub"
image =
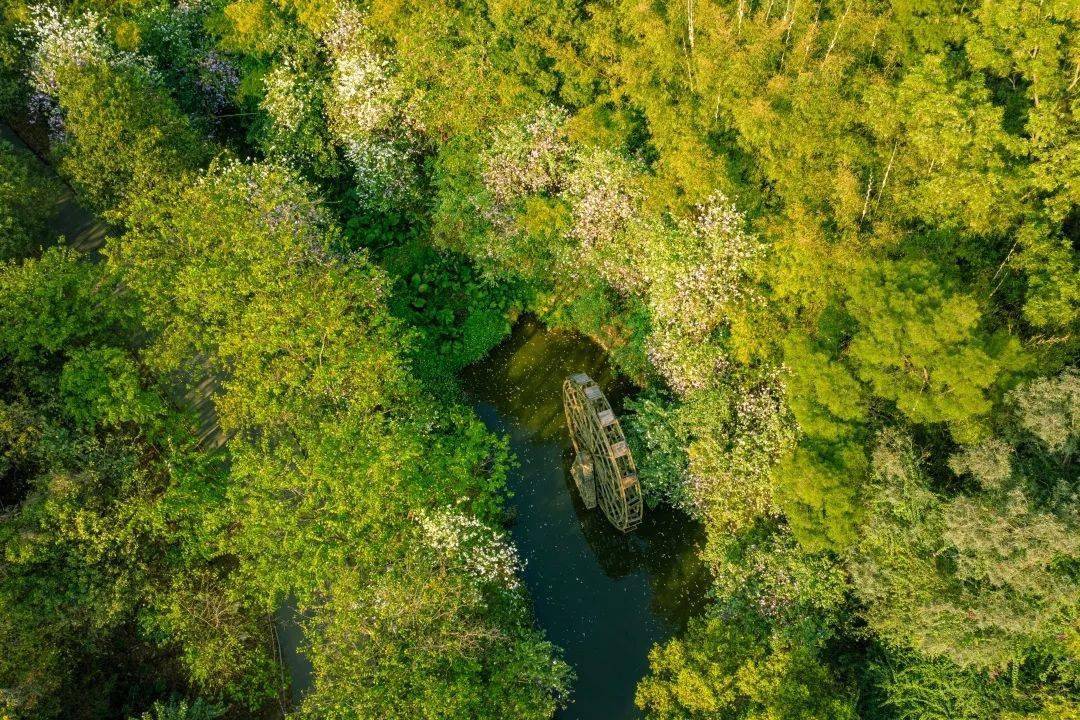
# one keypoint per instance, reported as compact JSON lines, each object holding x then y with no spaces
{"x":28,"y":197}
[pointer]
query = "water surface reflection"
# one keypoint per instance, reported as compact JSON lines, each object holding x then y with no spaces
{"x":604,"y":597}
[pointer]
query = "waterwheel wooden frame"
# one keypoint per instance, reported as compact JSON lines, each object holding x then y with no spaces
{"x":604,"y":470}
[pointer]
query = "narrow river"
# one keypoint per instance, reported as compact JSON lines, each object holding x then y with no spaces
{"x":604,"y":597}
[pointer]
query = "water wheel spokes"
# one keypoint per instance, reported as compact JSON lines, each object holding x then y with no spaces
{"x":604,"y":470}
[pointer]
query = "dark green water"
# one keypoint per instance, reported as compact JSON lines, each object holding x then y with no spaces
{"x":604,"y":597}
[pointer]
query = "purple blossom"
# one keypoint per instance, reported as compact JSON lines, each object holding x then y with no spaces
{"x":218,"y":80}
{"x":42,"y":109}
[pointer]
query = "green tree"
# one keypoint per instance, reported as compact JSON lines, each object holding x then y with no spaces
{"x":921,"y":346}
{"x":722,"y":671}
{"x":408,"y":642}
{"x":102,"y":471}
{"x":333,"y":447}
{"x":127,"y":135}
{"x":27,"y":198}
{"x":759,"y":651}
{"x":983,"y":580}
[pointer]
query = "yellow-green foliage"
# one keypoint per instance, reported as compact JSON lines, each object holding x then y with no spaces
{"x":27,"y":198}
{"x":723,"y":670}
{"x":810,"y":228}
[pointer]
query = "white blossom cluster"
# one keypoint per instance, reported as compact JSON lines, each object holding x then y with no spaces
{"x":190,"y":6}
{"x":601,"y":190}
{"x":366,"y":114}
{"x":776,"y":598}
{"x":386,"y":175}
{"x":699,"y":271}
{"x":55,"y":41}
{"x":728,"y":251}
{"x":731,"y":463}
{"x":58,"y":41}
{"x":763,"y":431}
{"x":527,"y":156}
{"x":534,"y":156}
{"x":364,"y":95}
{"x":709,"y":271}
{"x":346,"y":28}
{"x":480,"y":551}
{"x":687,"y":362}
{"x":293,"y":100}
{"x":287,"y":96}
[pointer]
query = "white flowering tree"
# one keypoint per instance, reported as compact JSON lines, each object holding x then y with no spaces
{"x":512,"y":191}
{"x":527,"y":157}
{"x":738,"y":435}
{"x":120,"y":132}
{"x":297,"y":131}
{"x":365,"y":94}
{"x":56,"y":40}
{"x":366,"y":114}
{"x":701,"y":273}
{"x":732,"y":423}
{"x":464,"y":542}
{"x":602,"y":190}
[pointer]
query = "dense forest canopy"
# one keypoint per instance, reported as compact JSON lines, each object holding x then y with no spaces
{"x":835,"y":243}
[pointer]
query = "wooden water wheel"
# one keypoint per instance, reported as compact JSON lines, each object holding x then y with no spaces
{"x":604,"y":470}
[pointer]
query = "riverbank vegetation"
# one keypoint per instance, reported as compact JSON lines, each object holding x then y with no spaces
{"x":834,"y":242}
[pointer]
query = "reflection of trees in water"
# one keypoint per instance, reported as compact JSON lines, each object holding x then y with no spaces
{"x":523,"y":377}
{"x":666,"y":546}
{"x":681,"y":586}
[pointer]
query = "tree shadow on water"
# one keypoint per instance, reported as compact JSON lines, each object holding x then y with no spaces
{"x":666,"y":546}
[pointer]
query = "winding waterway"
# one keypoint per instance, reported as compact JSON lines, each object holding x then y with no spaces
{"x":602,"y":596}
